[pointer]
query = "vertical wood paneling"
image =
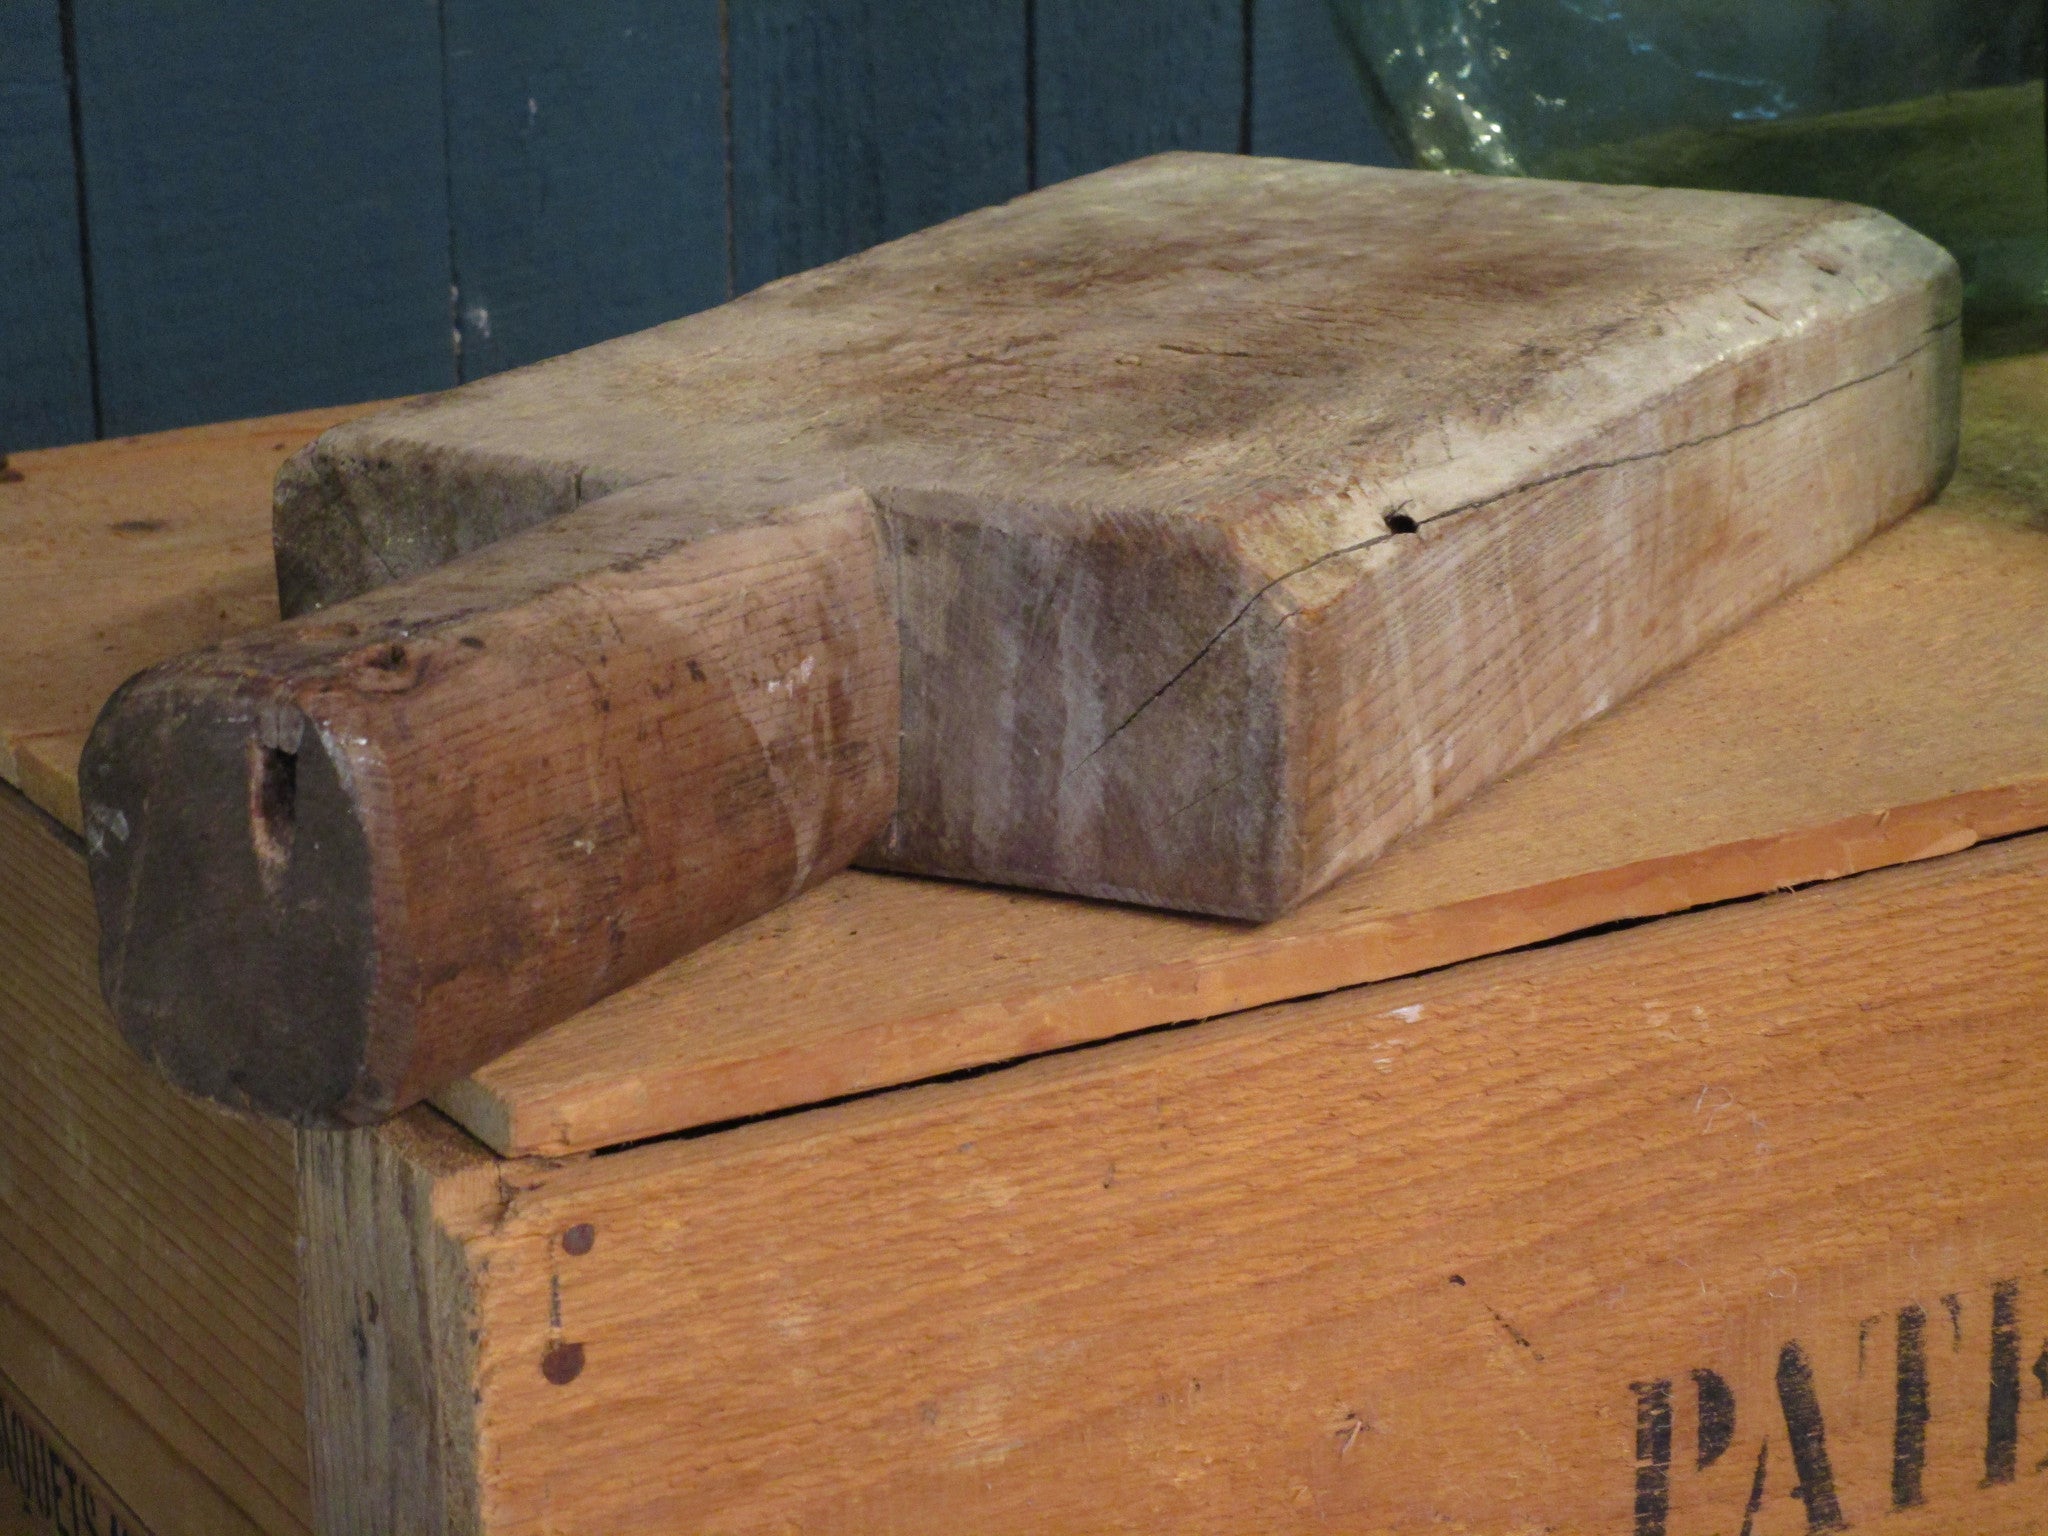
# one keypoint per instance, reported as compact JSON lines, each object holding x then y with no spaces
{"x":1114,"y":79}
{"x":854,"y":121}
{"x":278,"y":195}
{"x":266,"y":204}
{"x":1307,"y":100}
{"x":586,"y":162}
{"x":45,"y":358}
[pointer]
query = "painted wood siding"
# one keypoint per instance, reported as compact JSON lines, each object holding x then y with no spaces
{"x":221,"y":210}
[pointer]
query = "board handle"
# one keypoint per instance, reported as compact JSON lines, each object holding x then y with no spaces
{"x":342,"y":861}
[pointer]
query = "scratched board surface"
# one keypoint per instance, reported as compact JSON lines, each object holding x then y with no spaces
{"x":254,"y":206}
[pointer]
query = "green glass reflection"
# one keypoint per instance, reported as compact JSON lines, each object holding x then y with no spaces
{"x":1929,"y":109}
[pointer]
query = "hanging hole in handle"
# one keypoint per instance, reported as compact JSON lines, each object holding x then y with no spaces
{"x":273,"y":809}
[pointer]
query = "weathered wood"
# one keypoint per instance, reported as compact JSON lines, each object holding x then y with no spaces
{"x":1240,"y":516}
{"x":267,"y":207}
{"x":855,"y":121}
{"x":1111,"y":82}
{"x":390,"y":1378}
{"x":586,"y":172}
{"x":116,"y":555}
{"x":148,"y":1289}
{"x":45,"y":350}
{"x":1410,"y":1257}
{"x":373,"y":848}
{"x":1934,"y":1132}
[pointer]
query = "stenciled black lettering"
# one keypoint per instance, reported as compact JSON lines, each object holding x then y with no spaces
{"x":1756,"y":1488}
{"x":1803,"y":1427}
{"x":2002,"y":1409}
{"x":1909,"y":1411}
{"x":72,"y":1527}
{"x":16,"y":1454}
{"x":1653,"y":1455}
{"x":1716,"y":1416}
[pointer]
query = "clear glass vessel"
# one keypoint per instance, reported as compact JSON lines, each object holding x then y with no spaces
{"x":1929,"y":109}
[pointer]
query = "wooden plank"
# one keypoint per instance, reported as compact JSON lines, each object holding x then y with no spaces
{"x":1307,"y":100}
{"x":1414,"y":1256}
{"x":1113,"y":82}
{"x":855,"y":121}
{"x":151,"y":1236}
{"x":586,"y":172}
{"x":266,"y":205}
{"x":1858,"y":749}
{"x":117,"y":554}
{"x":55,"y":1491}
{"x":375,"y":1213}
{"x":45,"y":347}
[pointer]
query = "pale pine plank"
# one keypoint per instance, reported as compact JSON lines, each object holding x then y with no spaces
{"x":1386,"y":1260}
{"x":114,"y":555}
{"x":151,"y":1236}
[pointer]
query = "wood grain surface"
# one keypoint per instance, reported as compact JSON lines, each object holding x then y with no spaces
{"x":1453,"y":1251}
{"x":476,"y":804}
{"x":148,"y":1285}
{"x":1137,"y":440}
{"x":1887,"y":1193}
{"x":120,"y":554}
{"x":376,"y":1211}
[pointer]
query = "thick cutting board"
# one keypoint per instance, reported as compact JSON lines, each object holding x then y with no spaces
{"x":1181,"y":535}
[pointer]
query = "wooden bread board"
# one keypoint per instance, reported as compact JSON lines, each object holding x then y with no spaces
{"x":1183,"y":534}
{"x":1828,"y":737}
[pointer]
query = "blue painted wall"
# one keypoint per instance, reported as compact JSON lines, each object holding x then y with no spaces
{"x":254,"y":205}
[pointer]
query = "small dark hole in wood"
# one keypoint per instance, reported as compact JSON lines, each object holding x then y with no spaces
{"x":579,"y":1239}
{"x":1399,"y":522}
{"x":562,"y":1364}
{"x":471,"y":642}
{"x":277,"y":800}
{"x":386,"y":658}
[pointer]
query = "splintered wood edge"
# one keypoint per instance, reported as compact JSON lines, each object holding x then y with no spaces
{"x":1382,"y":947}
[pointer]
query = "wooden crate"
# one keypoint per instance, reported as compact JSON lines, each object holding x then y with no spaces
{"x":861,"y":1219}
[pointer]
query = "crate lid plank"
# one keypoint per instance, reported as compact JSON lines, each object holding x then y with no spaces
{"x":1896,"y":708}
